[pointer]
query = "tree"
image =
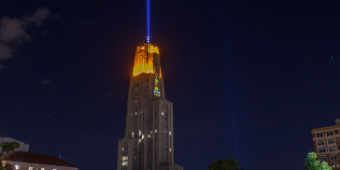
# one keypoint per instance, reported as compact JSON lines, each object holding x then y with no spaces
{"x":311,"y":163}
{"x":228,"y":164}
{"x":7,"y":147}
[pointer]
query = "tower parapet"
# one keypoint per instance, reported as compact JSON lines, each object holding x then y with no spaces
{"x":146,"y":59}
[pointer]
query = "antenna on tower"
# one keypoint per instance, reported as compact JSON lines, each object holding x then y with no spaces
{"x":148,"y":20}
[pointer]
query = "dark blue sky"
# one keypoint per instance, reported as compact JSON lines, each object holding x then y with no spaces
{"x":248,"y":80}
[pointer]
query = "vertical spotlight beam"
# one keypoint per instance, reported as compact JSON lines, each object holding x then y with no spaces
{"x":148,"y":20}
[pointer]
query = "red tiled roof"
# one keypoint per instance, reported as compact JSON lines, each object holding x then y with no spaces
{"x":36,"y":158}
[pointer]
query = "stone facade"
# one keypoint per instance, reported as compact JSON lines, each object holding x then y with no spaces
{"x":327,"y":144}
{"x":148,"y":143}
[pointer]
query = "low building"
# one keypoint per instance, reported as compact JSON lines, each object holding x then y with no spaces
{"x":327,"y":144}
{"x":23,"y":147}
{"x":171,"y":167}
{"x":35,"y":161}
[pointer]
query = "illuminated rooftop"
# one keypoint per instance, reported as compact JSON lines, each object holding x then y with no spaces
{"x":144,"y":59}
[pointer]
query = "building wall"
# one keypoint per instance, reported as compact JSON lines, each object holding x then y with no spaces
{"x":327,"y":143}
{"x":26,"y":165}
{"x":149,"y":127}
{"x":171,"y":167}
{"x":148,"y":142}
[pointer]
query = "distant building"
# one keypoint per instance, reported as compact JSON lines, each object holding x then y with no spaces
{"x":327,"y":144}
{"x":148,"y":143}
{"x":23,"y":147}
{"x":36,"y":161}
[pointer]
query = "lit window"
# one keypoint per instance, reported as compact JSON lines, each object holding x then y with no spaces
{"x":135,"y":113}
{"x":124,"y":158}
{"x":151,"y":132}
{"x":42,"y":168}
{"x":169,"y":132}
{"x":170,"y":149}
{"x":335,"y":164}
{"x":142,"y":136}
{"x":54,"y":169}
{"x":30,"y":168}
{"x":162,"y":113}
{"x":149,"y":135}
{"x":156,"y":131}
{"x":140,"y":132}
{"x":122,"y":149}
{"x":332,"y":148}
{"x":124,"y":163}
{"x":17,"y":167}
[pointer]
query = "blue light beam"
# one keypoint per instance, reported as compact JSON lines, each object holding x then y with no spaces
{"x":148,"y":20}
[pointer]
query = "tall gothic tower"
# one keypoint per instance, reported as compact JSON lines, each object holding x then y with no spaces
{"x":149,"y":136}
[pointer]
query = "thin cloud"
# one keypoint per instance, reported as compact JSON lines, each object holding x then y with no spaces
{"x":46,"y":81}
{"x":13,"y":31}
{"x":5,"y":51}
{"x":39,"y":15}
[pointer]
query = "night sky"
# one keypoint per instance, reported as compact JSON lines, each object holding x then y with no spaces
{"x":248,"y":80}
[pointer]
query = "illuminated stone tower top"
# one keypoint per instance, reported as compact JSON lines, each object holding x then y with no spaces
{"x":147,"y":60}
{"x":149,"y":134}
